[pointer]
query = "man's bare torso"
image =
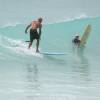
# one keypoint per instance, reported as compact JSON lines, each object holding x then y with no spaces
{"x":35,"y":24}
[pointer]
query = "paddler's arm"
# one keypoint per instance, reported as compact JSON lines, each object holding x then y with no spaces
{"x":79,"y":43}
{"x":27,"y":28}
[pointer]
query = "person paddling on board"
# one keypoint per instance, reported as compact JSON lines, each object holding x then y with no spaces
{"x":76,"y":40}
{"x":34,"y":34}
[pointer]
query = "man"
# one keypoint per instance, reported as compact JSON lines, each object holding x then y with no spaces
{"x":76,"y":40}
{"x":33,"y":32}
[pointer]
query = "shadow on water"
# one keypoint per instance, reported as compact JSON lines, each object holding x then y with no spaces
{"x":59,"y":60}
{"x":32,"y":75}
{"x":81,"y":65}
{"x":33,"y":84}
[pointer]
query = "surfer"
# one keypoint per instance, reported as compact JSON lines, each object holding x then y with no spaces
{"x":76,"y":40}
{"x":34,"y":34}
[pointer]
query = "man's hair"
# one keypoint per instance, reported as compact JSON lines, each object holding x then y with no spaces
{"x":40,"y":19}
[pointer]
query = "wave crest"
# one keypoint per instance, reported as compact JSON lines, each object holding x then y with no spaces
{"x":69,"y":19}
{"x":9,"y":24}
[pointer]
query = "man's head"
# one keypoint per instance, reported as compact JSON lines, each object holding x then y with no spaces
{"x":40,"y":19}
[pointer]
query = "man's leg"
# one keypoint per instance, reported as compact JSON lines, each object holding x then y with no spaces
{"x":31,"y":41}
{"x":30,"y":44}
{"x":37,"y":45}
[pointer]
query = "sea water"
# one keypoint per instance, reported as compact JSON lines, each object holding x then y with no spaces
{"x":30,"y":76}
{"x":26,"y":75}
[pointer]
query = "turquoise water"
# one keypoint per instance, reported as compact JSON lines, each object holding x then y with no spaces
{"x":29,"y":76}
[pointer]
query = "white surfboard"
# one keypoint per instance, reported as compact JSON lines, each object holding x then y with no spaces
{"x":53,"y":53}
{"x":85,"y":35}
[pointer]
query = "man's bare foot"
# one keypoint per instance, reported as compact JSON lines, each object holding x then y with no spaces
{"x":37,"y":51}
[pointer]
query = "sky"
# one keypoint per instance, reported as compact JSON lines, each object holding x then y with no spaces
{"x":51,"y":10}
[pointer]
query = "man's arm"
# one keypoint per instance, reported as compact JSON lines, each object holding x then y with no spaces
{"x":27,"y":28}
{"x":40,"y":31}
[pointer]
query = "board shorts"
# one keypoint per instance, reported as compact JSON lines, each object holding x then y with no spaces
{"x":33,"y":34}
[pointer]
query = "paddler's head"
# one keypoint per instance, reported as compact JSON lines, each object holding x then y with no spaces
{"x":76,"y":36}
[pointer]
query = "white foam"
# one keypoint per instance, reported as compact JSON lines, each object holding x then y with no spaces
{"x":19,"y":47}
{"x":25,"y":51}
{"x":68,"y":19}
{"x":9,"y":24}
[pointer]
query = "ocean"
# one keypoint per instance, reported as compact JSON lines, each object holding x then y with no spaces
{"x":30,"y":76}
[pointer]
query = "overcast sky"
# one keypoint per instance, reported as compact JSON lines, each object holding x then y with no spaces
{"x":22,"y":10}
